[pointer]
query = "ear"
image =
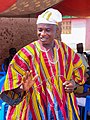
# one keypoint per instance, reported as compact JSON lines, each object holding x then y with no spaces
{"x":59,"y":27}
{"x":58,"y":31}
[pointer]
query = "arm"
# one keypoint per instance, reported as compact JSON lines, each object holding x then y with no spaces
{"x":15,"y":96}
{"x":78,"y":70}
{"x":14,"y":86}
{"x":75,"y":71}
{"x":82,"y":94}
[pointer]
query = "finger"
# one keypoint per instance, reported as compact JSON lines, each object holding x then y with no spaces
{"x":33,"y":81}
{"x":24,"y":78}
{"x":35,"y":77}
{"x":21,"y":87}
{"x":69,"y":87}
{"x":66,"y":82}
{"x":26,"y":75}
{"x":29,"y":73}
{"x":68,"y":91}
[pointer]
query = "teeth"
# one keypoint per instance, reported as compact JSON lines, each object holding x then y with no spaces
{"x":43,"y":39}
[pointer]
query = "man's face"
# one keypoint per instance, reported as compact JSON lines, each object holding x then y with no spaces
{"x":80,"y":49}
{"x":46,"y":33}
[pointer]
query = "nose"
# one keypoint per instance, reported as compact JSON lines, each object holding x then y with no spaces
{"x":43,"y":33}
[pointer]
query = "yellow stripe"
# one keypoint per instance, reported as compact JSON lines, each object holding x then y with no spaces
{"x":47,"y":15}
{"x":23,"y":114}
{"x":6,"y":84}
{"x":16,"y":114}
{"x":70,"y":113}
{"x":24,"y":57}
{"x":37,"y":67}
{"x":76,"y":112}
{"x":79,"y":63}
{"x":56,"y":77}
{"x":30,"y":49}
{"x":35,"y":105}
{"x":18,"y":69}
{"x":14,"y":77}
{"x":70,"y":71}
{"x":44,"y":67}
{"x":70,"y":68}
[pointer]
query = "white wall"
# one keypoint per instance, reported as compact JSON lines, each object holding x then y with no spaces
{"x":78,"y":33}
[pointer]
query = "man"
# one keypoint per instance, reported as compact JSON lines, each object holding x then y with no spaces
{"x":12,"y":52}
{"x":82,"y":55}
{"x":41,"y":77}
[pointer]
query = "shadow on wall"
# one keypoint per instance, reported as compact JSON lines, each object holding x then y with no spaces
{"x":15,"y":32}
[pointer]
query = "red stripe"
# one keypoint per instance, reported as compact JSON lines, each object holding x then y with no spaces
{"x":21,"y":63}
{"x":76,"y":59}
{"x":10,"y":76}
{"x":75,"y":103}
{"x":59,"y":102}
{"x":69,"y":58}
{"x":43,"y":105}
{"x":81,"y":75}
{"x":63,"y":91}
{"x":51,"y":105}
{"x":47,"y":63}
{"x":69,"y":55}
{"x":22,"y":109}
{"x":42,"y":98}
{"x":11,"y":112}
{"x":32,"y":109}
{"x":61,"y":62}
{"x":27,"y":51}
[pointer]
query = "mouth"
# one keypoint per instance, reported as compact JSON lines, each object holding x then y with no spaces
{"x":43,"y":39}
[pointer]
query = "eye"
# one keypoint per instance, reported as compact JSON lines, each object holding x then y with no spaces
{"x":40,"y":29}
{"x":48,"y":29}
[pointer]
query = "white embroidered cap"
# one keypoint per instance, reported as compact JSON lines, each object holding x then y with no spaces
{"x":50,"y":16}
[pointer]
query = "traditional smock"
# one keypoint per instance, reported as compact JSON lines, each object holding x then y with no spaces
{"x":47,"y":99}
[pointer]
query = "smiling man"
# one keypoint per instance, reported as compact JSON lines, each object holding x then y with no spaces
{"x":42,"y":75}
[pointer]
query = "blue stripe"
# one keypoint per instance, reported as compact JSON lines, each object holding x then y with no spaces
{"x":58,"y":112}
{"x":30,"y":116}
{"x":74,"y":113}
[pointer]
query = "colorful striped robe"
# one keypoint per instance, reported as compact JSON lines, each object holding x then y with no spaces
{"x":47,"y":99}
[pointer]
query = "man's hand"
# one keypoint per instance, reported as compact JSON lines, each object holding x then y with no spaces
{"x":69,"y":86}
{"x":28,"y":81}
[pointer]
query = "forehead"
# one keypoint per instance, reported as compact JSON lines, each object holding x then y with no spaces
{"x":44,"y":25}
{"x":80,"y":45}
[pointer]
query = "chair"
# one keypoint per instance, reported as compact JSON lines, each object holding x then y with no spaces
{"x":3,"y":110}
{"x":3,"y":67}
{"x":87,"y":107}
{"x":2,"y":74}
{"x":86,"y":86}
{"x":2,"y":78}
{"x":2,"y":81}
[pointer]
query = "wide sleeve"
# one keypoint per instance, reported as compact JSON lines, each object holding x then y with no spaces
{"x":21,"y":63}
{"x":78,"y":70}
{"x":74,"y":66}
{"x":17,"y":68}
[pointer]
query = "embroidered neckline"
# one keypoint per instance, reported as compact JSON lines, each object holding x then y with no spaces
{"x":56,"y":47}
